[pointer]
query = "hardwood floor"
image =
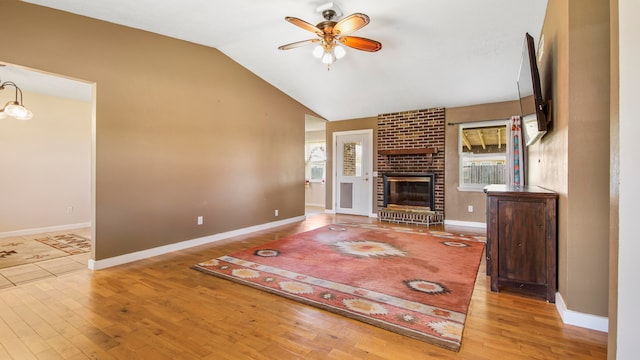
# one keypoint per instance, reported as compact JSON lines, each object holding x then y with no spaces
{"x":159,"y":308}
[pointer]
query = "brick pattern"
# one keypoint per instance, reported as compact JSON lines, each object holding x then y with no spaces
{"x":410,"y":218}
{"x":412,"y":130}
{"x":349,"y":159}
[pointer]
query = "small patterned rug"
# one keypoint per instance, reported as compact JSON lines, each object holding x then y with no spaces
{"x":417,"y":283}
{"x":19,"y":251}
{"x":70,"y":243}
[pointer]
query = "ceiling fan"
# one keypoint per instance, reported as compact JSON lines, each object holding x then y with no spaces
{"x":331,"y":34}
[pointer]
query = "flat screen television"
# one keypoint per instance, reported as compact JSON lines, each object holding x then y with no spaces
{"x":532,"y":105}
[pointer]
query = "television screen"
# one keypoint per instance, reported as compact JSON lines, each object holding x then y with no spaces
{"x":532,"y":105}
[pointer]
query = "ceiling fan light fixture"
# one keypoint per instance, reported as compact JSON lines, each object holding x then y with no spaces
{"x":318,"y":51}
{"x":331,"y":34}
{"x":339,"y":52}
{"x":328,"y":58}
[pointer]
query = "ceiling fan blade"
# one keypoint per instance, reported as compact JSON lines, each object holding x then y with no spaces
{"x":360,"y":43}
{"x":303,"y":24}
{"x":351,"y":23}
{"x":298,"y":44}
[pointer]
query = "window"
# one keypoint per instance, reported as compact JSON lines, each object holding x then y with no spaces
{"x":352,"y":158}
{"x":483,"y":154}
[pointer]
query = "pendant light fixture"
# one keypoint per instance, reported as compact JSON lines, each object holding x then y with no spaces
{"x":15,"y":108}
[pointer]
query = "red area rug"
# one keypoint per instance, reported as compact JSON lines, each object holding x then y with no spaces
{"x":417,"y":283}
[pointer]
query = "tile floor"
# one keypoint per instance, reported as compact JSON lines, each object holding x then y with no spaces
{"x":20,"y":274}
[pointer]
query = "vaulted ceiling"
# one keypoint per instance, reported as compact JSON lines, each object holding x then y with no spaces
{"x":435,"y":53}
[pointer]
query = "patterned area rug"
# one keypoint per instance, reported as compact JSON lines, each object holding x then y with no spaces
{"x":20,"y":251}
{"x":414,"y":282}
{"x":70,"y":243}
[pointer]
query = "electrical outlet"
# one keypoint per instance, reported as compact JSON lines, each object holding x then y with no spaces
{"x":200,"y":220}
{"x":69,"y":209}
{"x":275,"y":212}
{"x":470,"y":208}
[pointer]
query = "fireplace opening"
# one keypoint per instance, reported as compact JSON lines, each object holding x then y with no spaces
{"x":411,"y":191}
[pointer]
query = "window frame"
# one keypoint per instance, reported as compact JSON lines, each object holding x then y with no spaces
{"x":315,"y":157}
{"x":462,"y":155}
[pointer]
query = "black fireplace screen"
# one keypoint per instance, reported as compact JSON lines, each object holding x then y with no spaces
{"x":409,"y":190}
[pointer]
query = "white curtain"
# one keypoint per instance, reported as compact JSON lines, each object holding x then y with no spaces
{"x":515,"y":153}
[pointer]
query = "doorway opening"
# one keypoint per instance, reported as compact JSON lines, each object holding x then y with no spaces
{"x":315,"y":163}
{"x":47,"y":208}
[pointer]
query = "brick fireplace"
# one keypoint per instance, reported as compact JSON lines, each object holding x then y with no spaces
{"x":412,"y":143}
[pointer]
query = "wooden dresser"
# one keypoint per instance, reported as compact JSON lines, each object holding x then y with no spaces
{"x":522,"y":240}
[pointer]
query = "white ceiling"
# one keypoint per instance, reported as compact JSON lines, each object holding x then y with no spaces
{"x":435,"y":53}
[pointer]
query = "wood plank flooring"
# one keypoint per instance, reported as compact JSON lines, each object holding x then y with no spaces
{"x":159,"y":308}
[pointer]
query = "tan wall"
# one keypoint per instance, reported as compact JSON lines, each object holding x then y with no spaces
{"x":589,"y":129}
{"x":551,"y":152}
{"x":573,"y":158}
{"x":456,"y":201}
{"x":175,"y":135}
{"x":45,"y":164}
{"x":348,"y":125}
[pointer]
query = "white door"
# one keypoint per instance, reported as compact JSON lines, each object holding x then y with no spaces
{"x":353,"y":161}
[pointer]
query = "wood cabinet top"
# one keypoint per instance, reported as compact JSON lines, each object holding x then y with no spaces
{"x":505,"y":190}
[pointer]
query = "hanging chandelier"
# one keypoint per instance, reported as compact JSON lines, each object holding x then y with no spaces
{"x":15,"y":108}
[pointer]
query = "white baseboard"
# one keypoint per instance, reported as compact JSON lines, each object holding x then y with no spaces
{"x":44,"y":229}
{"x":144,"y":254}
{"x":465,"y":223}
{"x":588,"y":321}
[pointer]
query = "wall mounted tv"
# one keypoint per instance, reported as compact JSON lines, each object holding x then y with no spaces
{"x":532,"y":104}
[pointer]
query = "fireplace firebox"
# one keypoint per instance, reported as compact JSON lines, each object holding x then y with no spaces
{"x":414,"y":191}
